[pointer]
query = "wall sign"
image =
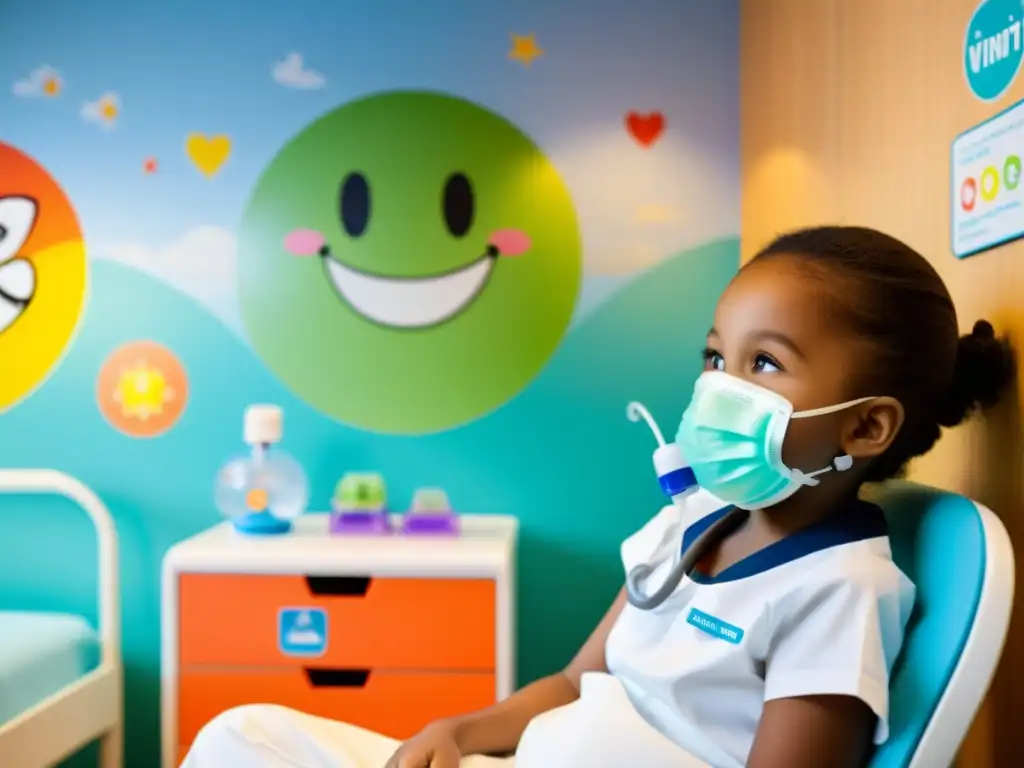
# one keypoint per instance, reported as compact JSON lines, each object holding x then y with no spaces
{"x":993,"y":47}
{"x":987,"y":197}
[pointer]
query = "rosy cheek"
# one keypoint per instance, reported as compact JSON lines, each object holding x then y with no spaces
{"x":510,"y":242}
{"x":304,"y":242}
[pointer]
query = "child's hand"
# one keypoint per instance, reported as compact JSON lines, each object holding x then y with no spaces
{"x":433,"y":747}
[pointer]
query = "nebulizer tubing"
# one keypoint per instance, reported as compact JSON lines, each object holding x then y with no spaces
{"x":678,"y":482}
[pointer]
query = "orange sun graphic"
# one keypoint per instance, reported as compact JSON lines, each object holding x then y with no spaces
{"x":142,"y":389}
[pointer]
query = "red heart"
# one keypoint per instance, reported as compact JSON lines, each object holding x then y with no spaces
{"x":646,"y":129}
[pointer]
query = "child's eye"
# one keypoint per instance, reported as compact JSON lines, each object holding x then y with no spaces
{"x":765,"y":364}
{"x":713,"y":361}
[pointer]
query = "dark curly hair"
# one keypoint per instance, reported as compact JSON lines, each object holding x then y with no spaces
{"x":893,"y":298}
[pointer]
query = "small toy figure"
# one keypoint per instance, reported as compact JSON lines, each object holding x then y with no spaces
{"x":431,"y":514}
{"x":360,"y":504}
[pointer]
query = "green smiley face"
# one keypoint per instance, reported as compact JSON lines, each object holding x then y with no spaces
{"x":408,"y":262}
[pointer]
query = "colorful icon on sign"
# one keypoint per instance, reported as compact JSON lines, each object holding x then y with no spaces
{"x":302,"y":631}
{"x":1011,"y":172}
{"x":989,"y":184}
{"x":968,"y":194}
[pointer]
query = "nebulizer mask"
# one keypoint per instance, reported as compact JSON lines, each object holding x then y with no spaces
{"x":729,"y":443}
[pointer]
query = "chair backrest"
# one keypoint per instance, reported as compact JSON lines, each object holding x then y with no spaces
{"x":958,"y":554}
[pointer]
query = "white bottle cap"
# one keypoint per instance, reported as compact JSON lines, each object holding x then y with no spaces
{"x":668,"y":458}
{"x":264,"y":424}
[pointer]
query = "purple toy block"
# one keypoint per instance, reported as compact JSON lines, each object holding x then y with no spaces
{"x":446,"y":524}
{"x":360,"y":522}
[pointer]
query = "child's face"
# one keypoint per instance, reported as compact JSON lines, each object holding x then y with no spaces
{"x":773,"y":327}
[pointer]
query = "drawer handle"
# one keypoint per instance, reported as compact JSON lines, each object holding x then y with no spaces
{"x":337,"y":678}
{"x":338,"y":586}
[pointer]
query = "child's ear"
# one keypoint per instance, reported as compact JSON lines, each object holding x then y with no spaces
{"x":872,"y":427}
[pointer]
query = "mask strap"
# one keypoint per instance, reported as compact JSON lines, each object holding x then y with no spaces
{"x":839,"y":464}
{"x":831,"y":408}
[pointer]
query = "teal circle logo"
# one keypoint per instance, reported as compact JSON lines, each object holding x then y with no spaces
{"x":993,"y":47}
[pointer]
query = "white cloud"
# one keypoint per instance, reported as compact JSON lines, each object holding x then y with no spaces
{"x":636,"y":209}
{"x":201,"y":264}
{"x":292,"y":73}
{"x":104,"y":111}
{"x":45,"y":81}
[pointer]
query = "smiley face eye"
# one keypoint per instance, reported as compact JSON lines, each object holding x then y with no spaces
{"x":457,"y":204}
{"x":355,"y":204}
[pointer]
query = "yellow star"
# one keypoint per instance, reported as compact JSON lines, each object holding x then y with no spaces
{"x":525,"y":49}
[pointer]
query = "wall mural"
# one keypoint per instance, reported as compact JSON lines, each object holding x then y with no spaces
{"x":451,"y":242}
{"x":42,"y":274}
{"x":411,"y":262}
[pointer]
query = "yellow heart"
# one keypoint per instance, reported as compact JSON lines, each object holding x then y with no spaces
{"x":208,"y":153}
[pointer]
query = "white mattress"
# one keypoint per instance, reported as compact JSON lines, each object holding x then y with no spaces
{"x":40,"y":653}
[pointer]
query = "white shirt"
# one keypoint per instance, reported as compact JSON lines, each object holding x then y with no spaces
{"x":821,"y":612}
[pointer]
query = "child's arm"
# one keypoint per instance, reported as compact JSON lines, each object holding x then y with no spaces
{"x":813,"y":732}
{"x":827,"y":667}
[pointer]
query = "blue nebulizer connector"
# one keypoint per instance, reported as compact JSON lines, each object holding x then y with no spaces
{"x":675,"y":476}
{"x":679,"y":482}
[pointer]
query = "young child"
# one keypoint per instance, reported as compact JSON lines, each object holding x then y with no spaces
{"x":833,"y":360}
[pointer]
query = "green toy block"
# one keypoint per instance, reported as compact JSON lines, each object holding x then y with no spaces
{"x":360,"y":491}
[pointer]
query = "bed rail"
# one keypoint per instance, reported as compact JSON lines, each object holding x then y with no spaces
{"x":52,"y":482}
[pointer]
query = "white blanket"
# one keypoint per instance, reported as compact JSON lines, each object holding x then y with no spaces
{"x":268,"y":736}
{"x":599,"y":730}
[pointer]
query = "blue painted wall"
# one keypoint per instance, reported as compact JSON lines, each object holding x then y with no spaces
{"x":658,"y":224}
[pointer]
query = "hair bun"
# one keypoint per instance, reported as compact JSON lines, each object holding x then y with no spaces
{"x":984,"y":368}
{"x":983,"y":330}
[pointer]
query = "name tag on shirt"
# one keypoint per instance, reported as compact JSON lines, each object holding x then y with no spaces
{"x":723,"y":630}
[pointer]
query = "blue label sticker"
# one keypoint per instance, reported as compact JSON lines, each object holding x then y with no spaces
{"x":993,"y":47}
{"x":302,"y":631}
{"x":715,"y":627}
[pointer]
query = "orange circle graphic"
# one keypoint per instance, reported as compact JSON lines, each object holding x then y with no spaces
{"x":142,"y":389}
{"x":43,"y":275}
{"x":257,"y":500}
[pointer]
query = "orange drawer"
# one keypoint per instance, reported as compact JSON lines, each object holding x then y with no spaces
{"x":397,"y":704}
{"x":371,"y":623}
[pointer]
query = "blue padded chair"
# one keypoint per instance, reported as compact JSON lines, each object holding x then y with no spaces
{"x":958,"y":554}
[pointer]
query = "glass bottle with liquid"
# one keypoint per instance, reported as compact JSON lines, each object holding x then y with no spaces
{"x":263,"y":491}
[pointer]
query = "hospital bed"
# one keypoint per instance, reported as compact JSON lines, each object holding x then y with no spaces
{"x":60,"y":680}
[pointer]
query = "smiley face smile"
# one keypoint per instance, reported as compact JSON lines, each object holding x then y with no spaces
{"x":409,"y":302}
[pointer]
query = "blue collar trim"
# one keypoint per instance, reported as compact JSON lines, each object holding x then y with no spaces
{"x":859,"y":521}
